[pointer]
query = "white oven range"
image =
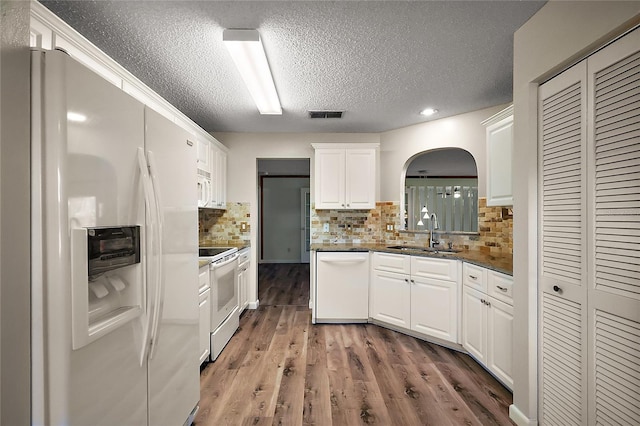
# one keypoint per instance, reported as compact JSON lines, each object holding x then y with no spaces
{"x":225,"y":315}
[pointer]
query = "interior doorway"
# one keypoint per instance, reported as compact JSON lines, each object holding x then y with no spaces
{"x":305,"y":225}
{"x":283,"y":210}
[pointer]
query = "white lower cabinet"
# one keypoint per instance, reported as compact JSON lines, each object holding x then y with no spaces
{"x":391,"y":298}
{"x":499,"y":340}
{"x":244,"y":262}
{"x":487,"y":323}
{"x":423,"y":299}
{"x":434,"y":308}
{"x":474,"y":323}
{"x":204,"y":307}
{"x":342,"y":287}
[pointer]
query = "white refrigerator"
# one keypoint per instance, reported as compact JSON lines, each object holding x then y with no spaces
{"x":114,"y":255}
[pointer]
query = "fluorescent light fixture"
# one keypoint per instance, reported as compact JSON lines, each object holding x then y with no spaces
{"x":248,"y":54}
{"x":75,"y":116}
{"x":420,"y":223}
{"x":428,"y":111}
{"x":424,"y":209}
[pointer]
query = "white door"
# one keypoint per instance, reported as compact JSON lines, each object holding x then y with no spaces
{"x":474,"y":323}
{"x":562,"y":248}
{"x":499,"y":340}
{"x":305,"y":225}
{"x":434,"y":308}
{"x":589,"y":275}
{"x":329,"y":177}
{"x":613,"y":221}
{"x":391,"y":298}
{"x":174,"y":384}
{"x":360,"y":178}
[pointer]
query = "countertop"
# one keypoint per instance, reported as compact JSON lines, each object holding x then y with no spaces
{"x":500,"y":263}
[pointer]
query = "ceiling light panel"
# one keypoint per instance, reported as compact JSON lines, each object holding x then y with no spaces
{"x":247,"y":52}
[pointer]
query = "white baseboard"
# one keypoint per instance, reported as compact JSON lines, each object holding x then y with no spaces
{"x":253,"y":305}
{"x":519,"y":418}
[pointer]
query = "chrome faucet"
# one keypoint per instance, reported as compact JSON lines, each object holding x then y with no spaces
{"x":432,"y":226}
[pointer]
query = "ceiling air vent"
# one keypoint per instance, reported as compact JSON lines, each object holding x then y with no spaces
{"x":325,"y":114}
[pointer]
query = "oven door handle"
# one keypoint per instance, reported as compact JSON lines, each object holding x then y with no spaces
{"x":225,"y":263}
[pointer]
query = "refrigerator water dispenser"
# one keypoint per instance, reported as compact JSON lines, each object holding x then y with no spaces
{"x":106,"y":290}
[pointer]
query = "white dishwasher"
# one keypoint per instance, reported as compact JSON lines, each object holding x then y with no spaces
{"x":342,"y":287}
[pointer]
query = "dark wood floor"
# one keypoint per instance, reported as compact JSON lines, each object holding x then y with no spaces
{"x":281,"y":369}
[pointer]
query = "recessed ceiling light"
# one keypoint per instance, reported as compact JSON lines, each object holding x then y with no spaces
{"x":428,"y":111}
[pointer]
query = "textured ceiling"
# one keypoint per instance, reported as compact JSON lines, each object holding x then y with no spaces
{"x":380,"y":61}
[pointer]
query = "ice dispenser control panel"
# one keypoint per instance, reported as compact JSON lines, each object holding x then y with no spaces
{"x":112,"y":248}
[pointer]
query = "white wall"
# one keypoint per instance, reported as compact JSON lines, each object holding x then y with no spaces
{"x":554,"y":38}
{"x":461,"y":131}
{"x":242,"y":177}
{"x":15,"y":281}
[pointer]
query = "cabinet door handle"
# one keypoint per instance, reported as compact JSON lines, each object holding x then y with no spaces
{"x":557,"y":289}
{"x":501,"y":288}
{"x":473,"y":277}
{"x":483,"y":301}
{"x":406,"y":280}
{"x":413,"y":282}
{"x":488,"y":304}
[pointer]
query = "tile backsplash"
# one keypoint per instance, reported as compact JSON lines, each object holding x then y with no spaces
{"x":380,"y":226}
{"x":225,"y":227}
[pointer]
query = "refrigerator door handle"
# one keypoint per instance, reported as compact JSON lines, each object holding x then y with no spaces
{"x":149,"y":202}
{"x":159,"y":296}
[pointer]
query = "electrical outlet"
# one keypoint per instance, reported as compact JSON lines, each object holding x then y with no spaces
{"x":325,"y":227}
{"x":389,"y":226}
{"x":243,"y":226}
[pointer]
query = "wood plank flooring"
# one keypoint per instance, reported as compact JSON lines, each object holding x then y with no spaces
{"x":279,"y":369}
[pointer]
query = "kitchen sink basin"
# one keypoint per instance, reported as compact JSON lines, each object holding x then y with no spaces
{"x":434,"y":250}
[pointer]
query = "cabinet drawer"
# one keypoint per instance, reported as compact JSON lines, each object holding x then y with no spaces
{"x":243,"y":256}
{"x":500,"y":286}
{"x":431,"y":267}
{"x":474,"y":277}
{"x":399,"y":263}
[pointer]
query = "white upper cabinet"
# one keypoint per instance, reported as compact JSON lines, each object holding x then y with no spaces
{"x":345,"y":176}
{"x":212,"y":175}
{"x":219,"y":178}
{"x":499,"y":148}
{"x":204,"y":157}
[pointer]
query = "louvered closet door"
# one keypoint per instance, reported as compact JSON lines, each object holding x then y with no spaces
{"x":614,"y":238}
{"x":562,"y":249}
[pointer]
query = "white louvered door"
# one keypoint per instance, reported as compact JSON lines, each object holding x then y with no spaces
{"x":562,"y":245}
{"x":614,"y":237}
{"x":589,"y":247}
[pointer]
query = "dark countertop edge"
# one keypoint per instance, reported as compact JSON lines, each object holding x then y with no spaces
{"x":486,"y":260}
